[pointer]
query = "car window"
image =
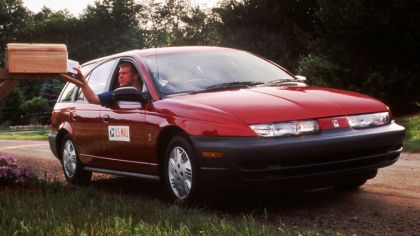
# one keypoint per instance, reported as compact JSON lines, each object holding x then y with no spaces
{"x":115,"y":83}
{"x":192,"y":71}
{"x":99,"y":77}
{"x":68,"y":92}
{"x":87,"y":68}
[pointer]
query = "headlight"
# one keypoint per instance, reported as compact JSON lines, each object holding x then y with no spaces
{"x":291,"y":128}
{"x":369,"y":120}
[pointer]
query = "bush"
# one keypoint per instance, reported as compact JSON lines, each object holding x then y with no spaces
{"x":11,"y":173}
{"x":321,"y":71}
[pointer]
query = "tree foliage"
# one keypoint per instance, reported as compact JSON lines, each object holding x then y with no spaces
{"x":14,"y":22}
{"x":269,"y":28}
{"x":368,"y":46}
{"x":108,"y":27}
{"x":10,"y":111}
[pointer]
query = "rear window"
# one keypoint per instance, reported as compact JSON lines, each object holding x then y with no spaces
{"x":70,"y":89}
{"x":68,"y":92}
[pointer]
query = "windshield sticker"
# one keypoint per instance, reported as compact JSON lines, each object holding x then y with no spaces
{"x":119,"y":133}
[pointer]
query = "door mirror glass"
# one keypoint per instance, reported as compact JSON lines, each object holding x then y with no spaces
{"x":300,"y":78}
{"x":130,"y":94}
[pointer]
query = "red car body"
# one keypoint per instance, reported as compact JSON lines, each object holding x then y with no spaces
{"x":215,"y":125}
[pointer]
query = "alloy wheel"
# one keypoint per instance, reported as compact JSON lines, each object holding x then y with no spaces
{"x":180,"y":172}
{"x":69,"y":159}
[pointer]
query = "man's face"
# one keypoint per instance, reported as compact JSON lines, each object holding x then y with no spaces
{"x":126,"y":77}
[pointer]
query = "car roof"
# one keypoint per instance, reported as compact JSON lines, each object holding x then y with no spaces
{"x":163,"y":51}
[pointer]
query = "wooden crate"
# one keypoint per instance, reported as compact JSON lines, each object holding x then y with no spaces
{"x":36,"y":58}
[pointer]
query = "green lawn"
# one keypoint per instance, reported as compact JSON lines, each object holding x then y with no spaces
{"x":41,"y":134}
{"x":58,"y":209}
{"x":412,"y":140}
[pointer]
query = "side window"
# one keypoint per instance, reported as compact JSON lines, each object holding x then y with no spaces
{"x":99,"y":77}
{"x":115,"y":82}
{"x":68,"y":93}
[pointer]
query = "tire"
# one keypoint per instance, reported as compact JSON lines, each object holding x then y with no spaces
{"x":72,"y":167}
{"x":181,"y":173}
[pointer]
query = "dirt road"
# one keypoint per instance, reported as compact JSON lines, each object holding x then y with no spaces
{"x":386,"y":205}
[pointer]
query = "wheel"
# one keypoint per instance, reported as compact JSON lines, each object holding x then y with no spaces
{"x":181,"y":172}
{"x":72,"y":167}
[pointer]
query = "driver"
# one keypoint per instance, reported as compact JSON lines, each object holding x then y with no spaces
{"x":127,"y":76}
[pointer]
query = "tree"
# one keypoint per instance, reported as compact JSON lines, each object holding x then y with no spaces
{"x":107,"y":27}
{"x":177,"y":22}
{"x":368,"y":46}
{"x":14,"y":23}
{"x":34,"y":108}
{"x":50,"y":90}
{"x":268,"y":28}
{"x":55,"y":27}
{"x":163,"y":21}
{"x":200,"y":28}
{"x":10,"y":111}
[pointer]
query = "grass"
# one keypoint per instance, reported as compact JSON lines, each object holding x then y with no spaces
{"x":412,"y":140}
{"x":41,"y":134}
{"x":53,"y":208}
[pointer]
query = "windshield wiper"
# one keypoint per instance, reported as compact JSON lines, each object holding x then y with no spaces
{"x":280,"y":81}
{"x":236,"y":84}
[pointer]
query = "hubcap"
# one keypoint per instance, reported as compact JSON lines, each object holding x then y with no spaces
{"x":69,"y":159}
{"x":180,"y":172}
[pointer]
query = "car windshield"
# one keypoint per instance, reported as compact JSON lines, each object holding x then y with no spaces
{"x":194,"y":72}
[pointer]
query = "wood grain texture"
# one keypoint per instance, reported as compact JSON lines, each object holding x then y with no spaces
{"x":37,"y":58}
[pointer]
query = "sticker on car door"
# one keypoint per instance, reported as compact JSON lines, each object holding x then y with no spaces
{"x":119,"y":133}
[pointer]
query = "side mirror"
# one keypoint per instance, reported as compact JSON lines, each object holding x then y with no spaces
{"x":130,"y":94}
{"x":300,"y":78}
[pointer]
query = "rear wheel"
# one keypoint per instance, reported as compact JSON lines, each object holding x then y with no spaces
{"x":180,"y":171}
{"x":72,"y":167}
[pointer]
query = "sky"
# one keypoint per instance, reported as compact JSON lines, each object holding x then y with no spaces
{"x":77,"y":6}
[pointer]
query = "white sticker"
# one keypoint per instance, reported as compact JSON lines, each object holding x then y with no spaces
{"x":119,"y":133}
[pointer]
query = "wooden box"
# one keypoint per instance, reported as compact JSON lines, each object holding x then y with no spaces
{"x":36,"y":58}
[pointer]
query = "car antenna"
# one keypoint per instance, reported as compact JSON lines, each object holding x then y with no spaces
{"x":157,"y":66}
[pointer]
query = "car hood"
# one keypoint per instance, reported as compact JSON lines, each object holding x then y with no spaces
{"x":275,"y":104}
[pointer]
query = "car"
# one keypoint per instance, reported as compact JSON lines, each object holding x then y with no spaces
{"x":213,"y":116}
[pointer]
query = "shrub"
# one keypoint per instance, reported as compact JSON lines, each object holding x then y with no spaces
{"x":11,"y":173}
{"x":319,"y":71}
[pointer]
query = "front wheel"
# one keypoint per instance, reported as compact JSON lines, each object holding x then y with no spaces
{"x":72,"y":167}
{"x":180,"y":171}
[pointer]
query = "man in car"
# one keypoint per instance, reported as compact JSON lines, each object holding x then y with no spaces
{"x":127,"y":76}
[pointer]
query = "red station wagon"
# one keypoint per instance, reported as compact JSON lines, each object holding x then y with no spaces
{"x":210,"y":115}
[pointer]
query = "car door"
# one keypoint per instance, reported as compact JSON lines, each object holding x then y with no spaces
{"x":87,"y":124}
{"x":125,"y":143}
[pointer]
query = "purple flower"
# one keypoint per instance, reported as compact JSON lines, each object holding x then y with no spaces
{"x":10,"y":172}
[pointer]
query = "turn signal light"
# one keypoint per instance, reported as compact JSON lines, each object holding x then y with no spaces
{"x":212,"y":154}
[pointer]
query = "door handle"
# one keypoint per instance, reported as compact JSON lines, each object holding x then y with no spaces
{"x":75,"y":116}
{"x":106,"y":118}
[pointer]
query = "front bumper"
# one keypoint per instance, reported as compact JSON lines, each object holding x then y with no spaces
{"x":52,"y":139}
{"x":329,"y":157}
